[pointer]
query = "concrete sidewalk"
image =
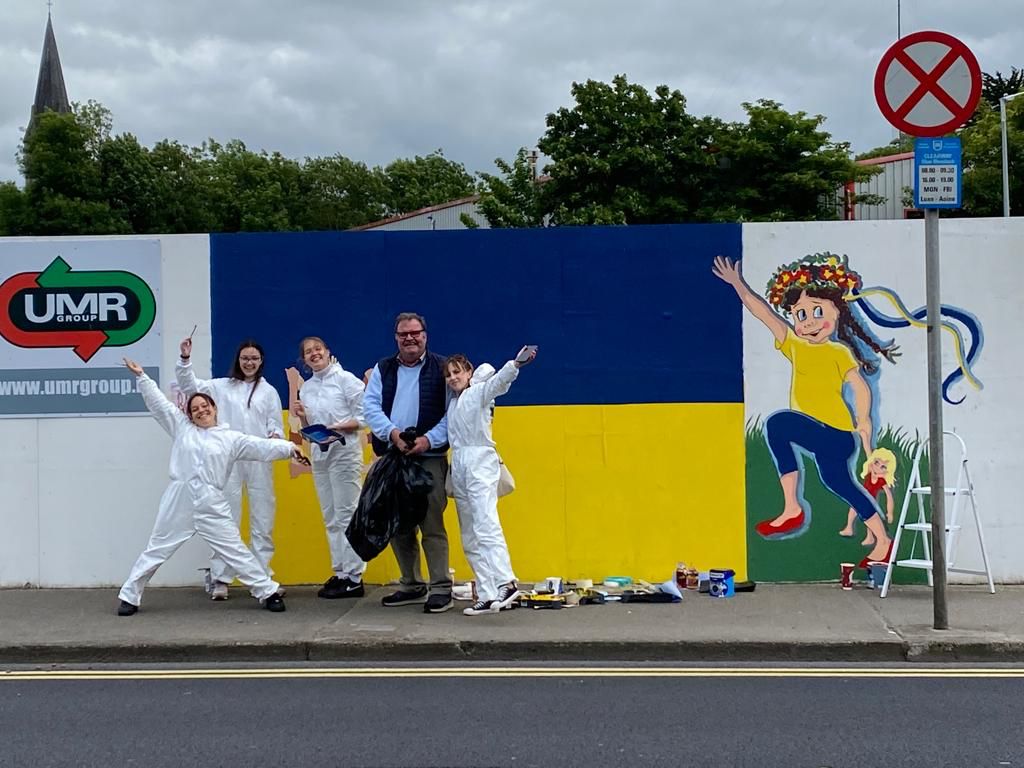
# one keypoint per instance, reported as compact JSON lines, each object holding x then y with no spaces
{"x":777,"y":623}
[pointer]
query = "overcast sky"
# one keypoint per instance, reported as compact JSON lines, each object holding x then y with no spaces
{"x":380,"y":79}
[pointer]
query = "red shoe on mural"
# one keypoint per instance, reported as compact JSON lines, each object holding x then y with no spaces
{"x":786,"y":529}
{"x":888,"y":553}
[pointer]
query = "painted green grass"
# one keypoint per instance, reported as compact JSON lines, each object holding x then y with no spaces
{"x":816,"y":555}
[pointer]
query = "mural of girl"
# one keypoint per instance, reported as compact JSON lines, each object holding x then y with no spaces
{"x":878,"y":474}
{"x":824,"y":346}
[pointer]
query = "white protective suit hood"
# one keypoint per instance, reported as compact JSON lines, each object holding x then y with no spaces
{"x":482,"y":373}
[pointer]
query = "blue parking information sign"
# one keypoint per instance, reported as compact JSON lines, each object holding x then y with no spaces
{"x":938,"y":172}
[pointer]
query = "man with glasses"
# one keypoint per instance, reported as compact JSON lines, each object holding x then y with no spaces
{"x":408,"y":391}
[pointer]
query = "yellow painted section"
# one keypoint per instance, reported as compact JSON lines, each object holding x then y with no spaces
{"x":625,"y":490}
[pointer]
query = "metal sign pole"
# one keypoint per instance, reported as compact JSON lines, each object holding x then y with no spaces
{"x":907,"y":74}
{"x":936,"y":478}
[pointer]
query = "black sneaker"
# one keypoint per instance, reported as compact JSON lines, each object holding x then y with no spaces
{"x":507,"y":596}
{"x":330,"y":585}
{"x":337,"y":588}
{"x":480,"y":607}
{"x":405,"y":597}
{"x":127,"y":609}
{"x":274,"y":603}
{"x":438,"y":604}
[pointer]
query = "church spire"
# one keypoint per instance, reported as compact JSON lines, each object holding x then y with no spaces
{"x":50,"y":90}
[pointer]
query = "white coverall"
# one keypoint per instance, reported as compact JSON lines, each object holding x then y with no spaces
{"x":330,"y":396}
{"x":475,"y":472}
{"x":261,"y":418}
{"x":195,"y":501}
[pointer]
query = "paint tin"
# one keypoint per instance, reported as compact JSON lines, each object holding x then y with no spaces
{"x":692,"y":579}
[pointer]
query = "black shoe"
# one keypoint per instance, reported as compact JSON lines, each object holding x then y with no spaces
{"x":274,"y":603}
{"x":331,"y":585}
{"x":438,"y":604}
{"x":127,"y":609}
{"x":507,"y":596}
{"x":336,"y":588}
{"x":405,"y":597}
{"x":481,"y":607}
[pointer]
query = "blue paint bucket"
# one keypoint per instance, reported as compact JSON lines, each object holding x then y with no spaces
{"x":877,"y":571}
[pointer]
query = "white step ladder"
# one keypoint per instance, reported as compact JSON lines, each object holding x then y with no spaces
{"x":960,"y":493}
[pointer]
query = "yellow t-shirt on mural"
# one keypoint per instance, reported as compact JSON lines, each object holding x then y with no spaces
{"x":819,"y":371}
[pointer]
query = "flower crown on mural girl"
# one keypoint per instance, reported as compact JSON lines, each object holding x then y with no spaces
{"x":827,"y":276}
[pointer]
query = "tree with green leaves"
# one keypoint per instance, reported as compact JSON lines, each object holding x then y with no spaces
{"x":624,"y":156}
{"x":777,"y":166}
{"x":983,"y":161}
{"x":513,"y":199}
{"x":82,"y":179}
{"x":995,"y":86}
{"x":424,"y":181}
{"x":62,"y":177}
{"x":339,"y":193}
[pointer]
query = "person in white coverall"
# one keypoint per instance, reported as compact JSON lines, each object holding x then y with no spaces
{"x":333,"y":397}
{"x":202,"y":456}
{"x":248,"y":404}
{"x":475,"y":471}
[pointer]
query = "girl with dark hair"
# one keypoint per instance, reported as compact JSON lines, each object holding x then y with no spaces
{"x":822,"y":346}
{"x":203,"y":456}
{"x":249,"y":404}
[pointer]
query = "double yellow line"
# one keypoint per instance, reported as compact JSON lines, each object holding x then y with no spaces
{"x":508,"y":672}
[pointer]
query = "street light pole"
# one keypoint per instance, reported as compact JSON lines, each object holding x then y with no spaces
{"x":1006,"y":157}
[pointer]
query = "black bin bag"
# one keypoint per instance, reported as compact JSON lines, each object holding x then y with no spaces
{"x":393,"y":500}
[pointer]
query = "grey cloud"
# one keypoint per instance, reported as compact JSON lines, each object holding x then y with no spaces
{"x":393,"y":78}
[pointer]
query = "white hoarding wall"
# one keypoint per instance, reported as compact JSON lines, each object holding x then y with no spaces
{"x":982,"y":277}
{"x":79,"y":494}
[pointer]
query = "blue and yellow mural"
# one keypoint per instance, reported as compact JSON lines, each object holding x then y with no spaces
{"x":627,"y":439}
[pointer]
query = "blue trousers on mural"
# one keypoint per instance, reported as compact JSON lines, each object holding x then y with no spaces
{"x":833,"y":450}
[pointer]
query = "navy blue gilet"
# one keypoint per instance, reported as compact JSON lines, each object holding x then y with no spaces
{"x":433,"y":397}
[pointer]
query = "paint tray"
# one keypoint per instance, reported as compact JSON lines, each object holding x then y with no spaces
{"x":321,"y":435}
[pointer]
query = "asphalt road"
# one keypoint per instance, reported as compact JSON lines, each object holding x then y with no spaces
{"x":452,"y":716}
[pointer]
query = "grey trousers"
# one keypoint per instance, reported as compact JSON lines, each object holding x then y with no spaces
{"x":435,"y":538}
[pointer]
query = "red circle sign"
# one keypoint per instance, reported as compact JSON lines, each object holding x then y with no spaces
{"x":928,"y":84}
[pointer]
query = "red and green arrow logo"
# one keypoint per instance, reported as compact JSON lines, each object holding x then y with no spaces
{"x":81,"y":310}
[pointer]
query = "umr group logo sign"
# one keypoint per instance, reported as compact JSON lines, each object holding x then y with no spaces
{"x":69,"y":311}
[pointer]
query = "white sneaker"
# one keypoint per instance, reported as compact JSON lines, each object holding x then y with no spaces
{"x":479,"y":608}
{"x":507,"y":596}
{"x":219,"y":591}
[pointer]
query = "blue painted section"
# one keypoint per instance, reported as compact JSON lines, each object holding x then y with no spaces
{"x":621,"y":314}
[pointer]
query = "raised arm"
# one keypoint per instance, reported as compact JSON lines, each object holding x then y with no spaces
{"x":164,"y":411}
{"x":729,"y":271}
{"x":500,"y":382}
